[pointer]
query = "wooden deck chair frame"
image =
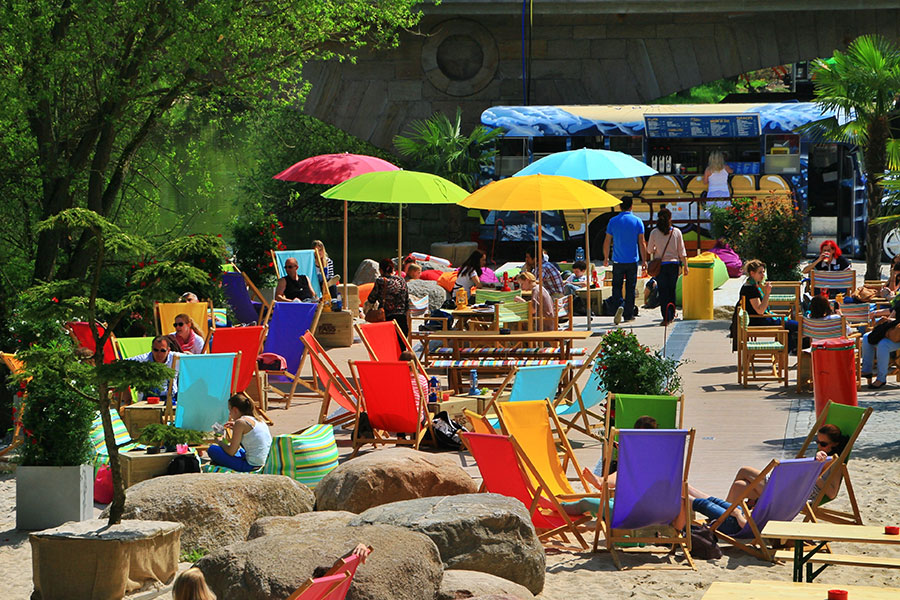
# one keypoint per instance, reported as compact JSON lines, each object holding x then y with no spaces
{"x":265,"y":310}
{"x":612,"y":538}
{"x":296,"y":378}
{"x":610,"y":405}
{"x":757,"y":546}
{"x":584,"y":414}
{"x":14,"y":365}
{"x":380,"y":437}
{"x":406,"y":345}
{"x":211,"y":321}
{"x":424,"y":318}
{"x":838,"y":471}
{"x":777,"y":358}
{"x":786,"y":308}
{"x":336,"y":378}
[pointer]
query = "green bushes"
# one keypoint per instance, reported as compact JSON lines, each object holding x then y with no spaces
{"x":625,"y":366}
{"x":254,"y":236}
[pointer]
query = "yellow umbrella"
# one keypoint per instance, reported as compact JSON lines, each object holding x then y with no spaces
{"x":540,"y":193}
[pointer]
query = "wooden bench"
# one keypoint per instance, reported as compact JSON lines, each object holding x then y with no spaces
{"x":493,"y":351}
{"x":883,"y":562}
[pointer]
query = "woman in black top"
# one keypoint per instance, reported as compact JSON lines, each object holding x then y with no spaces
{"x":391,"y":293}
{"x":756,"y":301}
{"x":293,"y":287}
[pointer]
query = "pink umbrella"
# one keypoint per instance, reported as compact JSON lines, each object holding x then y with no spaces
{"x":332,"y":169}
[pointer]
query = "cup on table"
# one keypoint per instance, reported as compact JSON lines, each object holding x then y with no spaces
{"x":837,"y":594}
{"x":152,"y":399}
{"x":891,"y":530}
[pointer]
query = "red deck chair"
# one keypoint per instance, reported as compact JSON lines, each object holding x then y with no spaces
{"x":332,"y":383}
{"x":385,"y":341}
{"x":248,"y":341}
{"x":502,"y":462}
{"x":321,"y":588}
{"x":344,"y":568}
{"x":80,"y":332}
{"x":387,"y":398}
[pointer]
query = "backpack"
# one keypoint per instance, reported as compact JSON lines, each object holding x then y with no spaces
{"x":269,"y":361}
{"x":184,"y":463}
{"x":446,"y":431}
{"x":704,"y":544}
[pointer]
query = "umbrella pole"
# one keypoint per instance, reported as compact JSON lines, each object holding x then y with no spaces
{"x":539,"y":261}
{"x":400,"y":240}
{"x":587,"y":252}
{"x":346,"y":274}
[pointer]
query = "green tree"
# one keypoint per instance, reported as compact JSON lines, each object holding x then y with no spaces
{"x":86,"y":84}
{"x":861,"y":87}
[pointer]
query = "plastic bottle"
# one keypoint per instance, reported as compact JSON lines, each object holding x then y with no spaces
{"x":579,"y":253}
{"x":473,"y":382}
{"x":434,"y":387}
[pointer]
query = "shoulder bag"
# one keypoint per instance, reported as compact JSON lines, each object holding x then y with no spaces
{"x":655,"y":265}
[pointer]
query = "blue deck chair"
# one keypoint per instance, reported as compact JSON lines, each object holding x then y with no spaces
{"x":237,"y":294}
{"x":290,"y":320}
{"x":650,"y":490}
{"x":306,"y":261}
{"x":205,"y":382}
{"x":528,"y":383}
{"x":784,"y":496}
{"x":578,"y":414}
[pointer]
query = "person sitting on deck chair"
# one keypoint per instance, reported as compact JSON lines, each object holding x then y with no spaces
{"x":250,"y":439}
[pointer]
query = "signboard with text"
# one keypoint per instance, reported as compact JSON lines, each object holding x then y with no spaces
{"x":702,"y":126}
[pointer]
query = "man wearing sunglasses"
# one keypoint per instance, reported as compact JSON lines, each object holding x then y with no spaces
{"x":293,"y":287}
{"x":160,"y":352}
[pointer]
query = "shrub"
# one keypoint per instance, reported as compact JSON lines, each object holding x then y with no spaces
{"x":771,"y":230}
{"x":166,"y":435}
{"x":58,"y":410}
{"x":253,"y":237}
{"x":625,"y":366}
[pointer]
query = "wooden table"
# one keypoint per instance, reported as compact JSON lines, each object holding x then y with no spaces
{"x":462,"y":316}
{"x":140,"y":414}
{"x":823,"y":533}
{"x":139,"y":466}
{"x":773,"y":590}
{"x":598,"y":295}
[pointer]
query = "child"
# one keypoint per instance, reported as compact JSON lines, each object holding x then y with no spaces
{"x":577,"y":280}
{"x":191,"y":585}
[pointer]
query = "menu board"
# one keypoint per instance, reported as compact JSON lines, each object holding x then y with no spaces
{"x":702,"y":126}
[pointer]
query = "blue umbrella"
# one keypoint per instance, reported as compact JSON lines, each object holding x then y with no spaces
{"x":588,"y":164}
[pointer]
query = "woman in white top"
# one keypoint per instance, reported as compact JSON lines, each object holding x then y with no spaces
{"x":716,"y":176}
{"x":250,"y":439}
{"x":666,"y":243}
{"x":469,"y":275}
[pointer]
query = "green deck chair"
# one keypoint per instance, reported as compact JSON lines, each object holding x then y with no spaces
{"x":483,"y":295}
{"x":667,"y":410}
{"x":129,"y":348}
{"x":850,"y":420}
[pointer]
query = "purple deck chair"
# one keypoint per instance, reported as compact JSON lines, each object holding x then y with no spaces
{"x":290,"y":320}
{"x":238,"y":297}
{"x":784,"y":496}
{"x":650,"y":490}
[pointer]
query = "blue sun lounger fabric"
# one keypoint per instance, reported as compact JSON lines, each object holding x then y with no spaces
{"x":238,"y":298}
{"x":534,"y":383}
{"x":204,"y":386}
{"x":306,"y":262}
{"x":290,"y":320}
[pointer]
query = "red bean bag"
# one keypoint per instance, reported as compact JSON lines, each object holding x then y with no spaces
{"x":431,"y":275}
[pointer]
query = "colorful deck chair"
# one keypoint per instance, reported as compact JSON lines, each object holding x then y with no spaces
{"x":81,"y":334}
{"x":344,"y":567}
{"x":859,"y":314}
{"x":385,"y":341}
{"x":628,"y":408}
{"x":650,"y":491}
{"x":123,"y":440}
{"x":387,"y":399}
{"x":839,"y":281}
{"x":14,"y":365}
{"x":320,"y":588}
{"x":306,"y":457}
{"x":785,"y":495}
{"x":479,"y":423}
{"x":237,"y":288}
{"x":578,"y":414}
{"x":130,"y":347}
{"x":306,"y":261}
{"x":518,"y":314}
{"x":201,"y":313}
{"x":205,"y":382}
{"x":528,"y":383}
{"x":248,"y":341}
{"x":290,"y":320}
{"x":503,"y":466}
{"x":483,"y":295}
{"x":820,"y":329}
{"x":850,"y":420}
{"x":331,"y":383}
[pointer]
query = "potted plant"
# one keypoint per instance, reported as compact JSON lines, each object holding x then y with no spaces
{"x":54,"y":480}
{"x":625,"y":366}
{"x":155,"y":435}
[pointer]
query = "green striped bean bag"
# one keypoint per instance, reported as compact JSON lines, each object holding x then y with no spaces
{"x":98,"y":443}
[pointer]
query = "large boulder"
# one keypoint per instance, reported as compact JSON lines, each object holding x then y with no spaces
{"x":474,"y":584}
{"x":404,"y":565}
{"x":299,"y":523}
{"x":216,"y":509}
{"x":366,"y":272}
{"x":422,"y":287}
{"x":391,"y":475}
{"x":476,"y":532}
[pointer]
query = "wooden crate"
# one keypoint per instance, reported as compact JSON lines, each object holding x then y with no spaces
{"x":140,"y":414}
{"x":139,"y":466}
{"x":335,"y":329}
{"x":455,"y":406}
{"x":351,"y":303}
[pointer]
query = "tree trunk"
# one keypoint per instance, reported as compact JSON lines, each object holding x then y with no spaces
{"x":118,"y":503}
{"x":876,"y":161}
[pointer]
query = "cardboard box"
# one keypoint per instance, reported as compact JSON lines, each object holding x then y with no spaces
{"x":335,"y":329}
{"x":457,"y":404}
{"x":139,"y":466}
{"x":140,"y":414}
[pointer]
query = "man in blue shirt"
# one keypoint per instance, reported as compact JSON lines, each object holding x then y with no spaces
{"x":626,"y":233}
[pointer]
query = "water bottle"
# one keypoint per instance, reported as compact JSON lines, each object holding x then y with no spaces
{"x":433,"y":387}
{"x":579,"y":253}
{"x":473,"y":382}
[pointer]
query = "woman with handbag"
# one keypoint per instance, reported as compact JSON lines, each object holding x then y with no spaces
{"x":392,"y":296}
{"x":666,"y":246}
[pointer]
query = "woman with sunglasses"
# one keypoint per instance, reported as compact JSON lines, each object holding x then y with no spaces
{"x":187,"y":336}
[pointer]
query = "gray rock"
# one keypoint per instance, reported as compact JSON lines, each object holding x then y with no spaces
{"x":459,"y":584}
{"x":421,"y":287}
{"x":404,"y":565}
{"x":366,"y":272}
{"x":476,"y":532}
{"x":216,"y":509}
{"x":299,"y":523}
{"x":391,"y":475}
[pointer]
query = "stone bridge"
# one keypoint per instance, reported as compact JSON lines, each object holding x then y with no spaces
{"x":469,"y":54}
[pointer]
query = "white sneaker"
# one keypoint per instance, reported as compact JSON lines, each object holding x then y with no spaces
{"x":619,"y":313}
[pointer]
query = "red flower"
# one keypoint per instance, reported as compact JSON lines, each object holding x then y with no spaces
{"x":218,"y":235}
{"x":271,"y":264}
{"x":280,"y":225}
{"x":140,"y":264}
{"x":29,"y":433}
{"x":143,"y":284}
{"x":202,"y":260}
{"x":33,"y":441}
{"x":55,"y":299}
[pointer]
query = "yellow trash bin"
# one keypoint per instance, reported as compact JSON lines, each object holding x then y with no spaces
{"x":697,"y":288}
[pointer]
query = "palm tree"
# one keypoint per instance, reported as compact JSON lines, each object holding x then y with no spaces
{"x":861,"y":87}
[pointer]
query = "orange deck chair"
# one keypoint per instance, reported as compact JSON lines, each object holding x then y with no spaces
{"x":81,"y":334}
{"x":332,"y":383}
{"x":383,"y":341}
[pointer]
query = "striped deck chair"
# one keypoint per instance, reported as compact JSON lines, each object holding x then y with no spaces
{"x":248,"y":342}
{"x":237,"y":287}
{"x":858,"y":315}
{"x":14,"y":365}
{"x":785,"y":495}
{"x":507,"y":470}
{"x":577,"y":415}
{"x":850,"y":420}
{"x":205,"y":382}
{"x":785,"y":298}
{"x":123,"y":440}
{"x":306,"y":457}
{"x":81,"y":334}
{"x":306,"y":263}
{"x":832,"y":282}
{"x":517,"y":314}
{"x":290,"y":320}
{"x":815,"y":330}
{"x":331,"y":383}
{"x":651,"y":491}
{"x":388,"y":400}
{"x":385,"y":341}
{"x":484,"y":295}
{"x":201,"y":313}
{"x":528,"y":383}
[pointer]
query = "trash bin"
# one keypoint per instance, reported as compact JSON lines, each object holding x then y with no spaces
{"x":697,"y":288}
{"x":834,"y":372}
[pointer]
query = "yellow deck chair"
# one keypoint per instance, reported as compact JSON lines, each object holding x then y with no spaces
{"x":201,"y":313}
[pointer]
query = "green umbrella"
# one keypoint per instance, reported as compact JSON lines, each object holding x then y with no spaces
{"x":397,"y":187}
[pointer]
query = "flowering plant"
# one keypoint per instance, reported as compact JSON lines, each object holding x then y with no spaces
{"x":625,"y":366}
{"x":254,"y":236}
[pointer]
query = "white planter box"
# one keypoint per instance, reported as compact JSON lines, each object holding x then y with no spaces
{"x":50,"y":496}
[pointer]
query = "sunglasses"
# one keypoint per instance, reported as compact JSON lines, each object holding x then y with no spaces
{"x":290,"y":266}
{"x":822,"y":444}
{"x":178,"y":324}
{"x":160,"y":349}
